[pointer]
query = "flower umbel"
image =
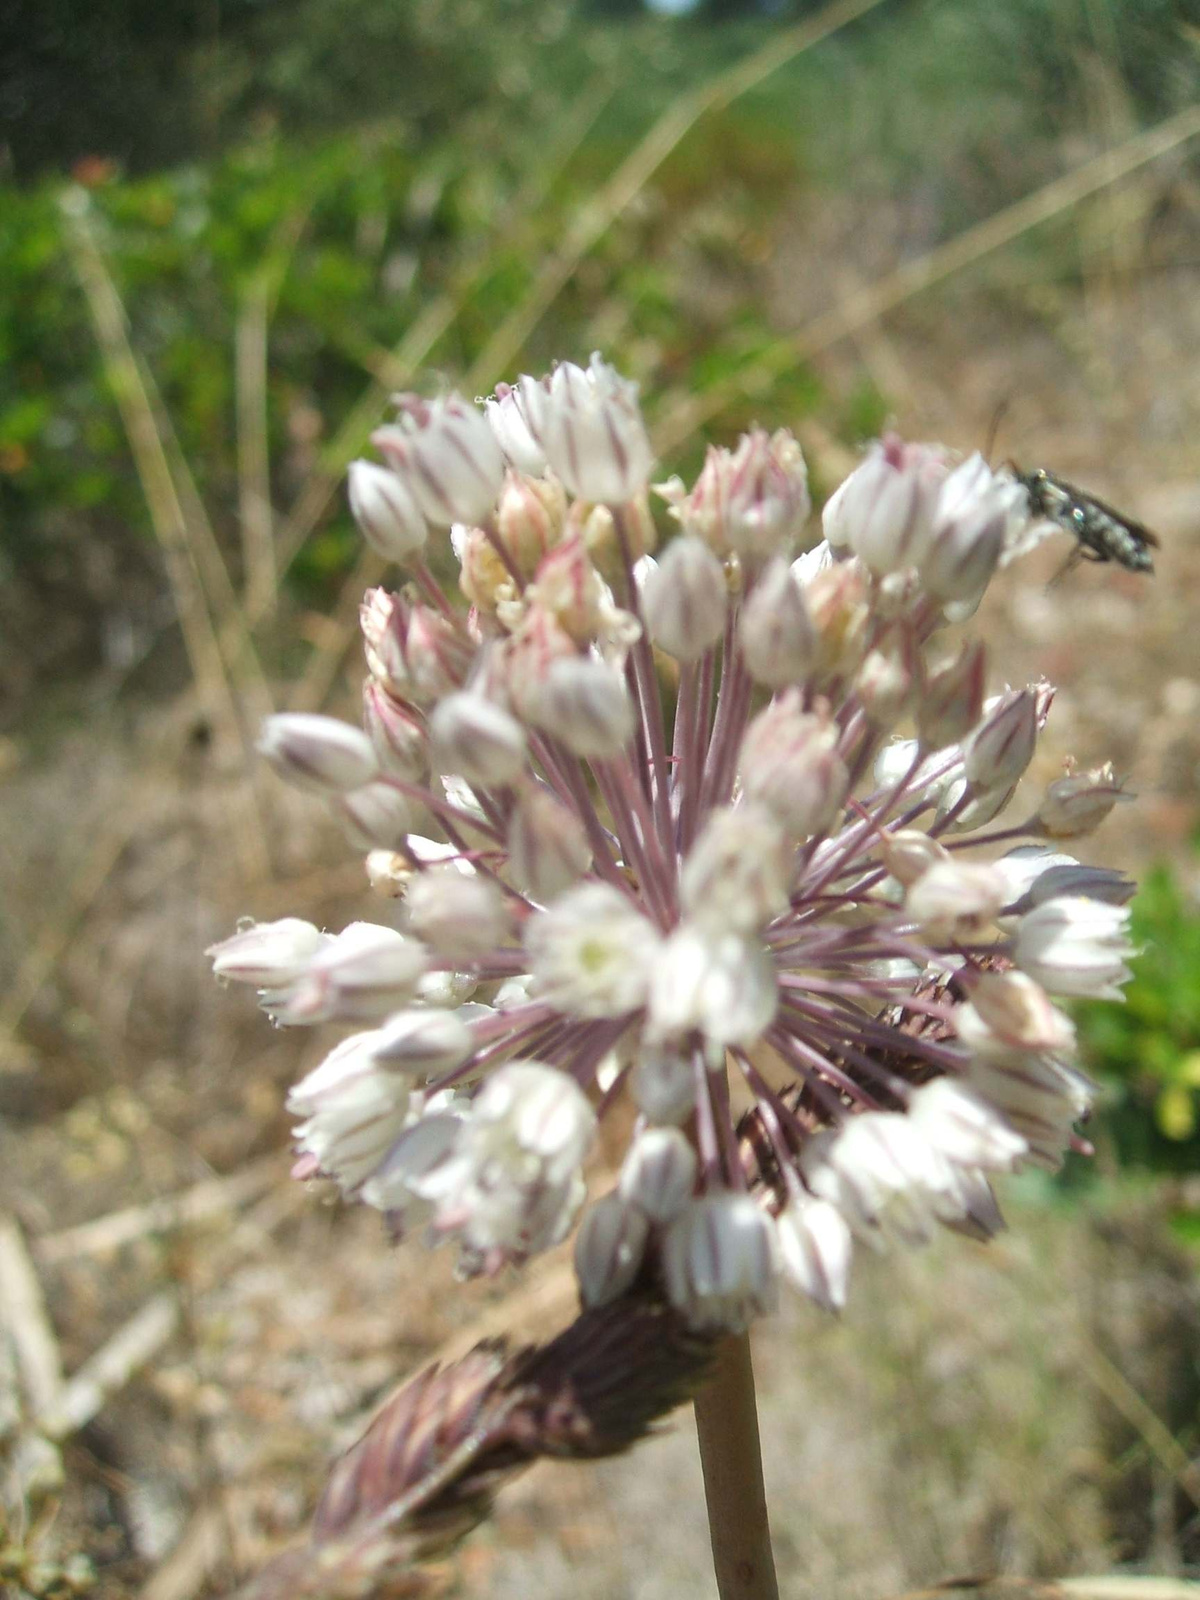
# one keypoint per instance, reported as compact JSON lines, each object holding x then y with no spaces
{"x":695,"y":834}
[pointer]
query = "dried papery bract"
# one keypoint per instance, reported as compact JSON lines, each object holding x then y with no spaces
{"x":658,"y":830}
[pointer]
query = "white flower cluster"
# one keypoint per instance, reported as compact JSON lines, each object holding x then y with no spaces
{"x":716,"y":831}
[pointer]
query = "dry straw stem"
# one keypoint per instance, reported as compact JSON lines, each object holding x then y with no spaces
{"x":28,"y":1321}
{"x":427,"y":1469}
{"x":211,"y":1198}
{"x":214,"y":629}
{"x":859,"y":310}
{"x":1110,"y":1586}
{"x":85,"y":1395}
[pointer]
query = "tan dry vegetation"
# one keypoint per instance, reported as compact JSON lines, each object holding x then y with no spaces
{"x":1012,"y":1410}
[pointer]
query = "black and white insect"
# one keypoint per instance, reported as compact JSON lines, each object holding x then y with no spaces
{"x":1102,"y":533}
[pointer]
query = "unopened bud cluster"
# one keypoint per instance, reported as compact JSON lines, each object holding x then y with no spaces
{"x":697,"y":826}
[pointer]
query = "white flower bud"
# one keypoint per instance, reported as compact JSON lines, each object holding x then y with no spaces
{"x":266,"y":954}
{"x":721,"y":1260}
{"x":837,"y":602}
{"x":659,"y":1173}
{"x":417,"y":1151}
{"x":751,"y":501}
{"x":547,"y":846}
{"x":584,"y":703}
{"x":1039,"y":1098}
{"x":815,"y":1247}
{"x":956,"y":899}
{"x":477,"y":739}
{"x":512,"y":1184}
{"x":568,"y":588}
{"x":318,"y":753}
{"x":721,"y":986}
{"x":790,"y":764}
{"x":1075,"y":946}
{"x":735,"y":876}
{"x":908,"y":854}
{"x":1078,"y":804}
{"x":776,"y":633}
{"x":1008,"y":1011}
{"x":353,"y":1111}
{"x":507,"y":419}
{"x":961,"y":1127}
{"x":375,"y":817}
{"x":884,"y":1176}
{"x":885,"y":679}
{"x":609,"y":1248}
{"x":383,"y":618}
{"x":950,"y":703}
{"x":589,"y":425}
{"x":1002,"y":746}
{"x":884,"y":510}
{"x":363,"y":973}
{"x":1035,"y":874}
{"x":974,"y":510}
{"x":460,"y":916}
{"x":530,"y":518}
{"x":388,"y":516}
{"x":446,"y":455}
{"x":685,"y":599}
{"x":396,"y":733}
{"x":438,"y":653}
{"x":663,"y":1086}
{"x":592,"y":953}
{"x":422,"y":1043}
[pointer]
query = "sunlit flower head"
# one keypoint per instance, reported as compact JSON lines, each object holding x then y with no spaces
{"x":716,"y":834}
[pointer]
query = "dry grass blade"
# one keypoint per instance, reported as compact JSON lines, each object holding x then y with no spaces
{"x":28,"y":1321}
{"x":254,"y":477}
{"x":966,"y":248}
{"x":1109,"y":1586}
{"x":213,"y":1197}
{"x":85,"y":1394}
{"x":214,"y":629}
{"x":427,"y":1469}
{"x":602,"y":210}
